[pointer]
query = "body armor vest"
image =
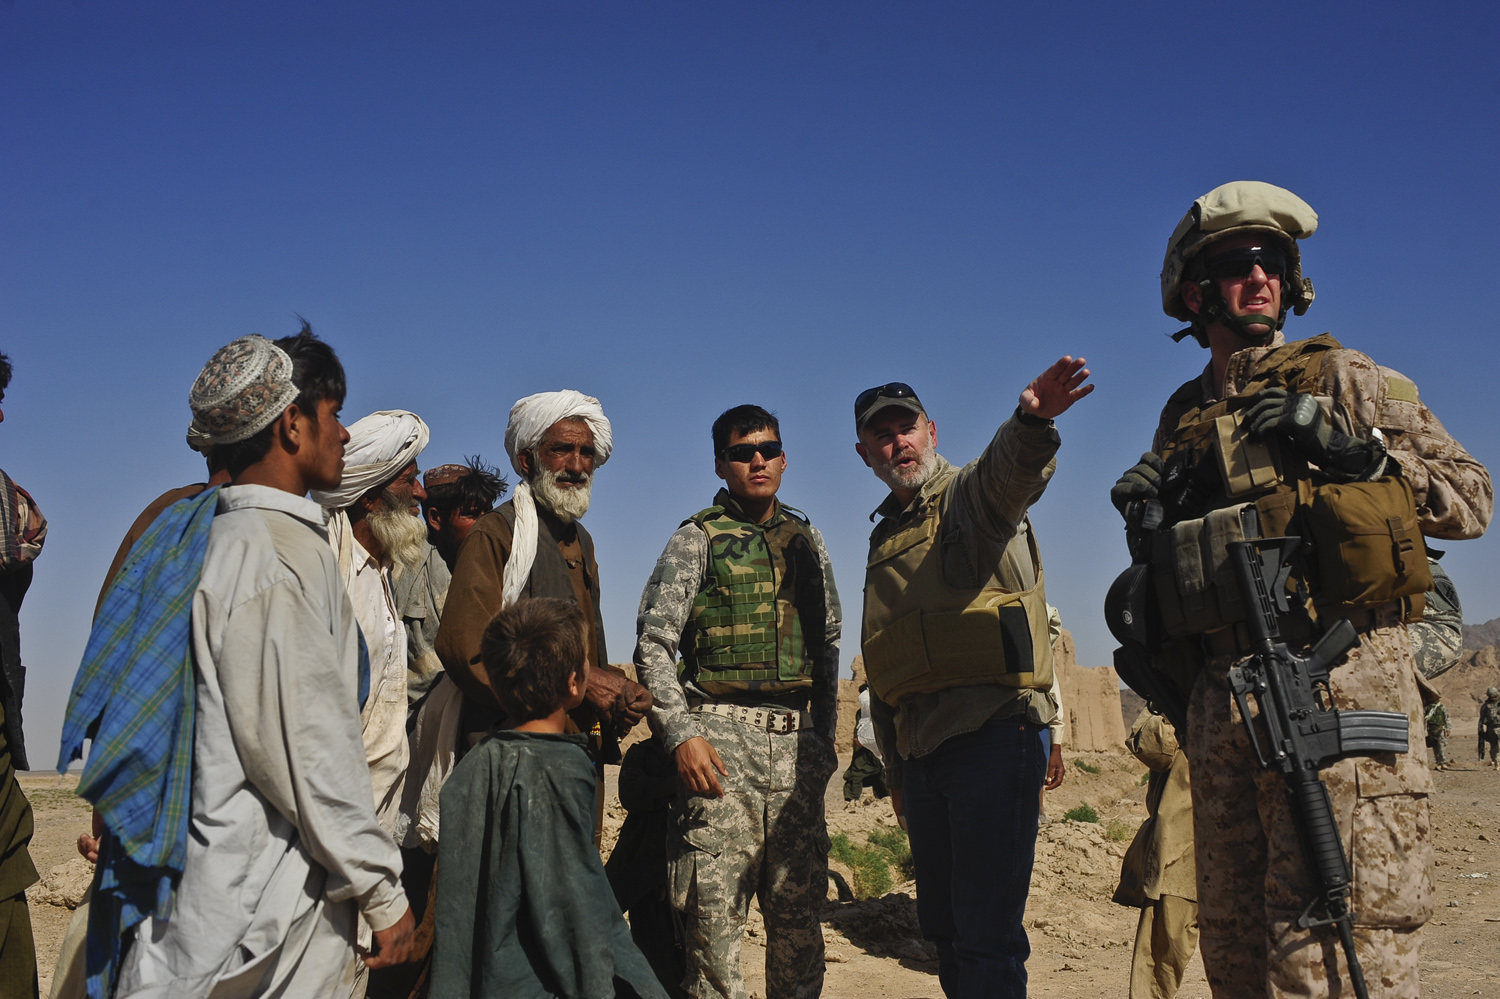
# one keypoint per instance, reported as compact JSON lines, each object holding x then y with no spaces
{"x":1362,"y":545}
{"x":761,"y":609}
{"x":926,"y":630}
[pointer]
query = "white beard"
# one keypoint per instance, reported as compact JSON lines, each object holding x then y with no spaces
{"x":567,"y":505}
{"x":399,"y":533}
{"x":914,"y":477}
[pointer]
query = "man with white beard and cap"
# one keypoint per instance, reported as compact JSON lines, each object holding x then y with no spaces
{"x":533,"y":546}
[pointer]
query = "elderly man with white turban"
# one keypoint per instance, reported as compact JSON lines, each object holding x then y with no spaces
{"x":243,"y":849}
{"x":534,"y":546}
{"x":372,"y":529}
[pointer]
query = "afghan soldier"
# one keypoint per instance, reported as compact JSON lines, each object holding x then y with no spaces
{"x":1489,"y":725}
{"x":744,"y":592}
{"x":1310,"y":439}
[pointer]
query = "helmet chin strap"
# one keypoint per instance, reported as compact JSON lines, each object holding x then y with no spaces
{"x":1257,"y":330}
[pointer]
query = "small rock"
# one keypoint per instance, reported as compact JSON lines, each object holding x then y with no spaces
{"x":1483,"y":837}
{"x":1453,"y":905}
{"x":834,"y":957}
{"x":65,"y":885}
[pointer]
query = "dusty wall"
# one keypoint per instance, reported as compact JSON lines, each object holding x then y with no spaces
{"x":1091,"y":702}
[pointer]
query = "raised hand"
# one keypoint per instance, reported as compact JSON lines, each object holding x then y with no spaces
{"x":1053,"y":391}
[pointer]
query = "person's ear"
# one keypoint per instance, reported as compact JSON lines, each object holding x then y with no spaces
{"x":863,"y":452}
{"x":433,"y":520}
{"x":932,"y":432}
{"x":719,"y":469}
{"x":291,"y":427}
{"x":525,"y":459}
{"x":1192,"y":297}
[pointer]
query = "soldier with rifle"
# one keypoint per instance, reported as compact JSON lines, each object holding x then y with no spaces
{"x":1311,"y":830}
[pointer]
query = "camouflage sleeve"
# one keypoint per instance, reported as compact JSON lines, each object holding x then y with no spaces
{"x":1453,"y":491}
{"x":1009,"y":476}
{"x":665,"y":604}
{"x":825,"y":690}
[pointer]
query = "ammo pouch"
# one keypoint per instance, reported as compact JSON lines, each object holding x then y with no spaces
{"x":1369,"y":547}
{"x":1195,"y":588}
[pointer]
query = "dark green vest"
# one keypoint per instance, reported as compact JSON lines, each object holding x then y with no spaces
{"x":760,"y":614}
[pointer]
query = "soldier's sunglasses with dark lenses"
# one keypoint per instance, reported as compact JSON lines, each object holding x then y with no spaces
{"x":1240,"y":261}
{"x":745,"y":453}
{"x":891,"y":390}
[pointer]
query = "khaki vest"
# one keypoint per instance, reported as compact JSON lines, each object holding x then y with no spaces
{"x":1362,"y":544}
{"x":925,"y":634}
{"x":760,"y":602}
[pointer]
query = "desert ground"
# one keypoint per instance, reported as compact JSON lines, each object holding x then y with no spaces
{"x":1080,"y":940}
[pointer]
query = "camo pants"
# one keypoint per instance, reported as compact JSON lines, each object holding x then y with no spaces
{"x":1253,"y":880}
{"x":1439,"y":744}
{"x":766,"y":837}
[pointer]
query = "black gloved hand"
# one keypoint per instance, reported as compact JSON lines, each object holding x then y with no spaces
{"x":1141,"y":483}
{"x":1299,"y":419}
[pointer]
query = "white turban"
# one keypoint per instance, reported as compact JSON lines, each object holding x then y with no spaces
{"x":380,"y":445}
{"x":530,"y":419}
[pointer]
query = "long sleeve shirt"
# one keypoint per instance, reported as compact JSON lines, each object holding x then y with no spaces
{"x":665,"y":607}
{"x":992,"y":494}
{"x":284,"y":851}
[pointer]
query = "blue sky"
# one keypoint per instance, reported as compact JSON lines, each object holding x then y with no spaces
{"x":681,"y":207}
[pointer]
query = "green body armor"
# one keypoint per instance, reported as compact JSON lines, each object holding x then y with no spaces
{"x":760,"y":612}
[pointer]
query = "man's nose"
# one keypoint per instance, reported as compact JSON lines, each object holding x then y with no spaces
{"x":575,"y":463}
{"x":418,"y":494}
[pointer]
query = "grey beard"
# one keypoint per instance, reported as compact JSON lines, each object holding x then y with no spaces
{"x":402,"y":535}
{"x":567,"y":505}
{"x":915,"y":478}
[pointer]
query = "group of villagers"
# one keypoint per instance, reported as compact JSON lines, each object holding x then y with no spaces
{"x":347,"y":722}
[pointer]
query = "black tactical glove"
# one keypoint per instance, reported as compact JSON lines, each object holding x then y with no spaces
{"x":1299,"y":419}
{"x":1141,"y":483}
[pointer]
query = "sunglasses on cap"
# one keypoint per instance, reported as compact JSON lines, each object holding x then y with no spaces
{"x":745,"y":453}
{"x":1240,"y":261}
{"x":891,"y":390}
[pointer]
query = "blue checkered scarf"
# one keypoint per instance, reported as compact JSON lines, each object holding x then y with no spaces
{"x":134,"y":696}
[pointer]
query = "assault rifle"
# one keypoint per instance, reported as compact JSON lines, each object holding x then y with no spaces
{"x":1303,"y":732}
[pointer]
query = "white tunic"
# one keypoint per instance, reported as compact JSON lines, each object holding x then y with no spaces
{"x":384,"y":716}
{"x":284,"y":850}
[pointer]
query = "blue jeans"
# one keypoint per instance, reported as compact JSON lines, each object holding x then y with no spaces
{"x":971,"y":813}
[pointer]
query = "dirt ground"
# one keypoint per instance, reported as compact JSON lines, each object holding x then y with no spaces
{"x":1080,"y":940}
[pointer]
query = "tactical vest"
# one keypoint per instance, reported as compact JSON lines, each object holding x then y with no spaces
{"x":761,"y":608}
{"x":925,"y":631}
{"x":1362,"y":543}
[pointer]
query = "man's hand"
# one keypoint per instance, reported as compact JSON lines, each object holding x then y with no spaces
{"x":1299,"y":419}
{"x":88,"y":845}
{"x":630,"y":707}
{"x":1055,"y":769}
{"x":898,"y":806}
{"x":696,"y":762}
{"x":603,"y":693}
{"x":393,"y":944}
{"x":1141,"y":483}
{"x":1053,"y":391}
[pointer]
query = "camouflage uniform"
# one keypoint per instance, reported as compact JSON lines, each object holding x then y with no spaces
{"x":766,"y":836}
{"x":1437,"y":733}
{"x":1489,"y":728}
{"x":1252,"y":878}
{"x":1437,"y":641}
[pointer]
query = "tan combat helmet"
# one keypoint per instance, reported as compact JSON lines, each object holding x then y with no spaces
{"x":1237,"y":207}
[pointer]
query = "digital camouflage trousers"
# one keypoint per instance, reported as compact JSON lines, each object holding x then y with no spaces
{"x":765,"y":837}
{"x":1253,"y":878}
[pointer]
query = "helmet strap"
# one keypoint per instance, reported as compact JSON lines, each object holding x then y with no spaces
{"x":1257,"y":329}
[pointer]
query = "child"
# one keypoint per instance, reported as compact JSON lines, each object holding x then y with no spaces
{"x":523,"y":905}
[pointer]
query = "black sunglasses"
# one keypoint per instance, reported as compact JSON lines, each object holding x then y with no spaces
{"x":745,"y":453}
{"x":1240,"y":261}
{"x":891,"y":390}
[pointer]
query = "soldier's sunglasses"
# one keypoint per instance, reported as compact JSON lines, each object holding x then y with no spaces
{"x":891,"y":390}
{"x":1240,"y":261}
{"x":745,"y":453}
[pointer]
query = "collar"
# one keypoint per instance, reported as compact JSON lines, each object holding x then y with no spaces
{"x":891,"y":507}
{"x":363,"y":559}
{"x":726,"y":499}
{"x":254,"y":497}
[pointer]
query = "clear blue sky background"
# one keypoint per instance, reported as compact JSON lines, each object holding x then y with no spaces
{"x":678,"y":207}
